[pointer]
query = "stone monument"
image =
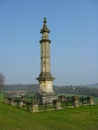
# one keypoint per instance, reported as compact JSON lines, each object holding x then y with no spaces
{"x":45,"y":92}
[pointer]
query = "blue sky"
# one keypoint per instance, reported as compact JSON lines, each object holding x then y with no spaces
{"x":74,"y":40}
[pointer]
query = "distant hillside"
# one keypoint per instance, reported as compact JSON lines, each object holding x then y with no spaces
{"x":93,"y":85}
{"x":32,"y":88}
{"x":28,"y":88}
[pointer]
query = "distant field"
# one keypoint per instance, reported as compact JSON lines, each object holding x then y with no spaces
{"x":81,"y":118}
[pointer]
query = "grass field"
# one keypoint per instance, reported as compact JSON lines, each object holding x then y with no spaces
{"x":81,"y":118}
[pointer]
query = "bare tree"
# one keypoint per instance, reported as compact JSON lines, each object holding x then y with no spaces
{"x":1,"y":81}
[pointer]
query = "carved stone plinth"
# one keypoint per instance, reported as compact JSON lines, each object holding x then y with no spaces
{"x":58,"y":105}
{"x":13,"y":103}
{"x":34,"y":108}
{"x":21,"y":104}
{"x":75,"y":101}
{"x":43,"y":97}
{"x":90,"y":100}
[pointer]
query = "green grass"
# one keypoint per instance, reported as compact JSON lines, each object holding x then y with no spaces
{"x":1,"y":97}
{"x":81,"y":118}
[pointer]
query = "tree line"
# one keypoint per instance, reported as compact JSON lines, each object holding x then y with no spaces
{"x":32,"y":89}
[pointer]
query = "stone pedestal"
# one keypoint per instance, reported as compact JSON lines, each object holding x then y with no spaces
{"x":58,"y":105}
{"x":13,"y":103}
{"x":75,"y":101}
{"x":21,"y":104}
{"x":44,"y":97}
{"x":34,"y":108}
{"x":90,"y":100}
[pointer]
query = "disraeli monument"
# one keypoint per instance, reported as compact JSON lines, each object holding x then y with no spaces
{"x":45,"y":92}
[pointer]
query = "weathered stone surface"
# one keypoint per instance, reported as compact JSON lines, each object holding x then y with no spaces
{"x":45,"y":92}
{"x":43,"y":97}
{"x":90,"y":100}
{"x":58,"y":105}
{"x":75,"y":101}
{"x":45,"y":76}
{"x":13,"y":103}
{"x":21,"y":104}
{"x":34,"y":108}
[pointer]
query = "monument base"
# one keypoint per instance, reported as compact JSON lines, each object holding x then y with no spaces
{"x":43,"y":97}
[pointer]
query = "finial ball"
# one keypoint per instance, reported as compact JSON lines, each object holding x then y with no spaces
{"x":45,"y":21}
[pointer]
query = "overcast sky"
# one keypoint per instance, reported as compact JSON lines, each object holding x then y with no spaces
{"x":74,"y":40}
